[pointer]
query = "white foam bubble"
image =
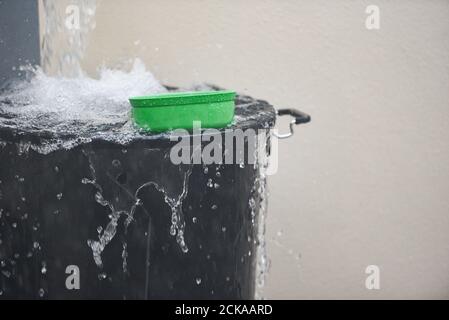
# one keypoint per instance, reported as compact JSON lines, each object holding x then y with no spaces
{"x":80,"y":106}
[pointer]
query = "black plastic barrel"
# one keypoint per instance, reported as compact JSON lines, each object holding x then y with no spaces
{"x":126,"y":221}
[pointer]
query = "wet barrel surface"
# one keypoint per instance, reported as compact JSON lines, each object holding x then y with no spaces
{"x":121,"y":218}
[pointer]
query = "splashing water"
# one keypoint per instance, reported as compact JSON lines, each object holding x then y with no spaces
{"x":70,"y":99}
{"x":262,"y":262}
{"x":175,"y":203}
{"x":79,"y":106}
{"x":59,"y":101}
{"x":105,"y":235}
{"x":176,"y":229}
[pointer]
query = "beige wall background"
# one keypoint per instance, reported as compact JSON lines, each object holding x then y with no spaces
{"x":367,"y":182}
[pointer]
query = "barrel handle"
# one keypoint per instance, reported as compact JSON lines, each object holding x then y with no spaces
{"x":299,"y":118}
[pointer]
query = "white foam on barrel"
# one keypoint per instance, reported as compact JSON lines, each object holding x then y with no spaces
{"x":75,"y":110}
{"x":53,"y":103}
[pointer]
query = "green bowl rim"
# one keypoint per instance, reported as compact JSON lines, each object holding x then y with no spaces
{"x":182,"y":98}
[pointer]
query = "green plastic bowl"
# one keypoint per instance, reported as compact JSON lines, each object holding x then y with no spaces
{"x":168,"y":111}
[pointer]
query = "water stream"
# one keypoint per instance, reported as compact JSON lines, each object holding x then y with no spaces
{"x":65,"y":38}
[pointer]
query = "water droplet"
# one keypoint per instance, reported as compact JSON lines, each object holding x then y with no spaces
{"x":194,"y":219}
{"x":206,"y":170}
{"x":102,"y":276}
{"x":216,"y":186}
{"x":214,"y":207}
{"x":41,"y":292}
{"x":3,"y":263}
{"x":6,"y":273}
{"x":23,"y":199}
{"x":21,"y":179}
{"x":24,"y":216}
{"x":99,"y":229}
{"x":210,"y":184}
{"x":14,"y":225}
{"x":36,"y":245}
{"x":242,"y":165}
{"x":59,"y":196}
{"x":85,"y":181}
{"x":198,"y":281}
{"x":116,"y":163}
{"x":279,"y":233}
{"x":218,"y":174}
{"x":16,"y":255}
{"x":228,"y":279}
{"x":56,"y":169}
{"x":252,"y":204}
{"x":99,"y":198}
{"x":56,"y":212}
{"x":223,"y":229}
{"x":1,"y":292}
{"x":44,"y":268}
{"x":124,"y":151}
